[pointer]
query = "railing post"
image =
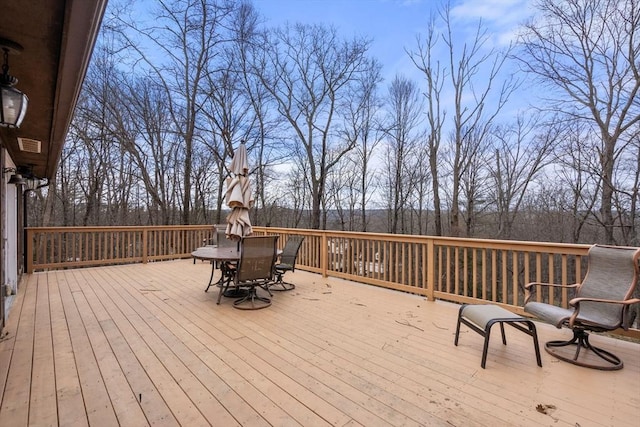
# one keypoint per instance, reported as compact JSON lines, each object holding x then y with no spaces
{"x":431,"y":270}
{"x":323,"y":254}
{"x":145,"y":247}
{"x":29,"y":251}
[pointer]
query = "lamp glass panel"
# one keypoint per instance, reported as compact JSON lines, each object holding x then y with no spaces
{"x":14,"y":106}
{"x":32,"y":183}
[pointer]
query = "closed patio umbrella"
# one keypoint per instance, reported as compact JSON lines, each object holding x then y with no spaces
{"x":239,"y":196}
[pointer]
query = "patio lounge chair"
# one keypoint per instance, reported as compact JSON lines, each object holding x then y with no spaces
{"x":602,"y":303}
{"x":287,"y":263}
{"x":254,"y":270}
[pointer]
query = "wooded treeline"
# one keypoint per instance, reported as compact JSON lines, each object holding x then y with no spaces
{"x":539,"y":140}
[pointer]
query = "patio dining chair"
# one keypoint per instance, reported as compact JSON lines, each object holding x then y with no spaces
{"x":602,"y":303}
{"x":221,"y":237}
{"x":221,"y":241}
{"x":287,"y":263}
{"x":212,"y":240}
{"x":254,"y":270}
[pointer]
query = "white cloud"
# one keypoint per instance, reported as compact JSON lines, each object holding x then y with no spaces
{"x":503,"y":17}
{"x":502,"y":12}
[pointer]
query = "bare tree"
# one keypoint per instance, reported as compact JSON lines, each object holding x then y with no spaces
{"x":362,"y":129}
{"x":141,"y":126}
{"x":424,"y":58}
{"x":296,"y":194}
{"x":308,"y":69}
{"x":577,"y":177}
{"x":587,"y":53}
{"x":631,"y":206}
{"x":178,"y":47}
{"x":402,"y":133}
{"x":470,"y":75}
{"x":423,"y":190}
{"x":343,"y":192}
{"x":264,"y":129}
{"x":520,"y":153}
{"x":473,"y":72}
{"x":96,"y":166}
{"x":474,"y":177}
{"x":228,"y":119}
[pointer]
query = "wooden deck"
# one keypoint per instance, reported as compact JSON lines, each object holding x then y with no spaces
{"x":138,"y":345}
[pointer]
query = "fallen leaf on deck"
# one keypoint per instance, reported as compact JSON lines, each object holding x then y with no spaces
{"x":545,"y":409}
{"x":406,"y":323}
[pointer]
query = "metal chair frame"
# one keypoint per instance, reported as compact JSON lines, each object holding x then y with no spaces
{"x":287,"y":262}
{"x":255,"y":270}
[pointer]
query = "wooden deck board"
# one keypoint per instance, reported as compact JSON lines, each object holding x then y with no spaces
{"x":144,"y":345}
{"x":43,"y":384}
{"x":83,"y":330}
{"x":219,"y":364}
{"x":14,"y":409}
{"x":240,"y":366}
{"x":377,"y":370}
{"x":70,"y":404}
{"x":183,"y":363}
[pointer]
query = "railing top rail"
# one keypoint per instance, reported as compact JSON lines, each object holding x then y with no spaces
{"x":521,"y":246}
{"x":518,"y":245}
{"x":120,"y":228}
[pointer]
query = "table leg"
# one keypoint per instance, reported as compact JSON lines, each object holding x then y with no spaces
{"x":213,"y":269}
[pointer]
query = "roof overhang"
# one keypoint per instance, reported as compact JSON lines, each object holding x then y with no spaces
{"x":57,"y":37}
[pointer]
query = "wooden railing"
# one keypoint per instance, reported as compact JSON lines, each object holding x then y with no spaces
{"x":71,"y":247}
{"x":452,"y":269}
{"x":458,"y":270}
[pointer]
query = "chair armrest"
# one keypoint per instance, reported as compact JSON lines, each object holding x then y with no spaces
{"x":576,"y":301}
{"x":530,"y":288}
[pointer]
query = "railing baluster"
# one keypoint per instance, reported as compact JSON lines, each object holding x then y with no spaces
{"x":565,"y":300}
{"x":514,"y":278}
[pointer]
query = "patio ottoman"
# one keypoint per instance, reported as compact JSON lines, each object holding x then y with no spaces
{"x":481,"y":318}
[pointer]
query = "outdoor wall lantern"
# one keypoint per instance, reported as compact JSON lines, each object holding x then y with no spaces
{"x":14,"y":103}
{"x":16,"y":178}
{"x":32,"y":183}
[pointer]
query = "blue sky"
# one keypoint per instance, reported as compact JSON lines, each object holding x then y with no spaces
{"x":394,"y":24}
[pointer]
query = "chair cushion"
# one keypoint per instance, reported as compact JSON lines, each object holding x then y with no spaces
{"x":558,"y":315}
{"x":548,"y":313}
{"x":284,"y":267}
{"x":482,"y":314}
